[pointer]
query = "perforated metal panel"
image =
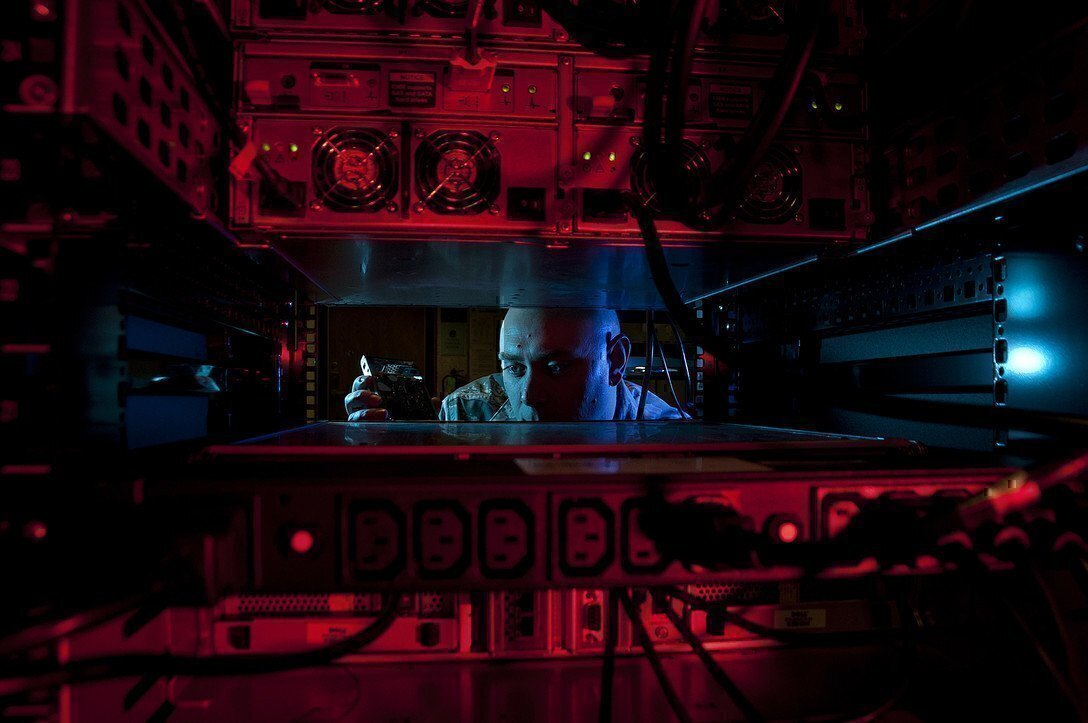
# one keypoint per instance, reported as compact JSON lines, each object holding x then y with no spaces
{"x":141,"y":93}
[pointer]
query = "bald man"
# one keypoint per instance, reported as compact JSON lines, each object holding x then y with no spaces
{"x":558,"y":365}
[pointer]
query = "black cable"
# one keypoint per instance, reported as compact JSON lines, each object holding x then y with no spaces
{"x":650,"y":336}
{"x":608,"y":665}
{"x":788,"y":637}
{"x":683,"y":357}
{"x":653,"y":659}
{"x":720,"y":676}
{"x":727,"y":185}
{"x":28,"y":676}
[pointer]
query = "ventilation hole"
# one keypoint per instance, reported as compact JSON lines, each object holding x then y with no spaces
{"x":120,"y":109}
{"x":121,"y":60}
{"x":164,"y":153}
{"x":1017,"y":165}
{"x":1060,"y":147}
{"x":946,"y":162}
{"x":183,"y":135}
{"x":167,"y":77}
{"x":1059,"y":107}
{"x":915,"y":146}
{"x":147,"y":49}
{"x":948,"y":195}
{"x":946,"y":130}
{"x":199,"y":149}
{"x":143,"y":133}
{"x":1016,"y":128}
{"x":145,"y":92}
{"x":215,"y":139}
{"x":124,"y":19}
{"x":165,"y":115}
{"x":183,"y":98}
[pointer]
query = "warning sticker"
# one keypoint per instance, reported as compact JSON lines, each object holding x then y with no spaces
{"x":730,"y":100}
{"x":800,"y":619}
{"x":411,"y":90}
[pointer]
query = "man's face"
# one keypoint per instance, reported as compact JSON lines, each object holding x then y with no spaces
{"x":562,"y":365}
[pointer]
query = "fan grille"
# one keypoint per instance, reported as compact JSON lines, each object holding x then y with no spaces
{"x":774,"y":193}
{"x":695,"y":171}
{"x":355,"y":169}
{"x":457,"y":172}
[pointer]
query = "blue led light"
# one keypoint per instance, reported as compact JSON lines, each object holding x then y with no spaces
{"x":1027,"y":360}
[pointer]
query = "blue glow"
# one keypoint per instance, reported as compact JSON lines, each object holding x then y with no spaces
{"x":886,"y":242}
{"x":1026,"y":301}
{"x":1027,"y":360}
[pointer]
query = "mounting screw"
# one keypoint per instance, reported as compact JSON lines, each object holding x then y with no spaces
{"x":316,"y":130}
{"x":704,"y":143}
{"x":799,"y":218}
{"x":560,"y":37}
{"x":566,"y":174}
{"x":418,"y":208}
{"x":495,"y":137}
{"x":419,"y":133}
{"x":635,"y":141}
{"x":493,"y":209}
{"x":705,"y":216}
{"x":796,"y":150}
{"x":564,"y":227}
{"x":315,"y":206}
{"x":393,"y":133}
{"x":391,"y":207}
{"x":661,"y":632}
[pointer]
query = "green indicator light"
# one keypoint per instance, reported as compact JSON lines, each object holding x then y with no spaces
{"x":293,"y":147}
{"x":814,"y":105}
{"x":838,"y":106}
{"x":612,"y":156}
{"x":505,"y":87}
{"x":586,"y":156}
{"x":265,"y":147}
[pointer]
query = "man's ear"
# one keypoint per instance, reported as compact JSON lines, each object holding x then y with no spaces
{"x":619,"y":351}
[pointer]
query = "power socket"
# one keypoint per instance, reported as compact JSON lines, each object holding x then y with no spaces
{"x":377,"y":546}
{"x":506,"y":538}
{"x":586,"y":537}
{"x":442,"y":539}
{"x":638,"y":553}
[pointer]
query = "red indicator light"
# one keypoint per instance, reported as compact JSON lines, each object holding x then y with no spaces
{"x":302,"y":542}
{"x":36,"y":530}
{"x":788,"y":532}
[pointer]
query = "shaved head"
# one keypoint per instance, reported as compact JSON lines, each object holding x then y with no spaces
{"x":562,"y":364}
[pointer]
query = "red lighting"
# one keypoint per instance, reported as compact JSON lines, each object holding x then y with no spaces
{"x":302,"y":542}
{"x":788,"y":532}
{"x":36,"y":530}
{"x":43,"y":10}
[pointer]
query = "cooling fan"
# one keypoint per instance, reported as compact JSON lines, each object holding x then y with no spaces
{"x":353,"y":7}
{"x":355,"y":169}
{"x":457,"y":172}
{"x":774,"y":193}
{"x":694,"y":172}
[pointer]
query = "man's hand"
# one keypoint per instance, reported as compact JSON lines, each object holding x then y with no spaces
{"x":363,"y":404}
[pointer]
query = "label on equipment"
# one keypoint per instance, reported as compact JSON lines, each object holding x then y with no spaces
{"x":411,"y":90}
{"x":329,"y":633}
{"x":730,"y":100}
{"x":800,"y":619}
